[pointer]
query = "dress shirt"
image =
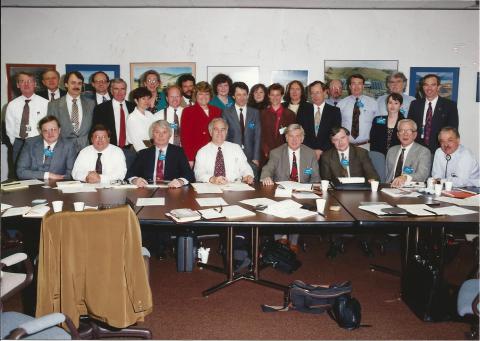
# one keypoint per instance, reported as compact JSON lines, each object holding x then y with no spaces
{"x":79,"y":104}
{"x":116,"y":114}
{"x":315,"y":108}
{"x":236,"y":164}
{"x":170,"y":118}
{"x":138,"y":125}
{"x":382,"y":104}
{"x":56,"y":92}
{"x":425,"y":109}
{"x":99,"y":98}
{"x":345,"y":154}
{"x":367,"y":113}
{"x":290,"y":160}
{"x":114,"y":166}
{"x":13,"y":116}
{"x":244,"y":112}
{"x":52,"y":147}
{"x":332,"y":101}
{"x":407,"y":149}
{"x":462,"y":168}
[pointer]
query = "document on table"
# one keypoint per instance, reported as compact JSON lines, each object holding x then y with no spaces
{"x":156,"y":186}
{"x":236,"y":187}
{"x":32,"y":182}
{"x":258,"y":201}
{"x":37,"y":211}
{"x":206,"y":188}
{"x":236,"y":212}
{"x":78,"y":189}
{"x":282,"y":209}
{"x":471,"y":201}
{"x":305,"y":195}
{"x":375,"y":209}
{"x":283,"y":192}
{"x":128,"y":186}
{"x":301,"y":213}
{"x":216,"y":201}
{"x":13,"y":211}
{"x":5,"y":207}
{"x":418,"y":209}
{"x":211,"y":213}
{"x":352,"y":180}
{"x":73,"y":183}
{"x":150,"y":202}
{"x":295,"y":186}
{"x":452,"y":211}
{"x":400,"y":193}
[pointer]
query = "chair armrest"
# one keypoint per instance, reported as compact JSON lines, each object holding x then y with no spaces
{"x":39,"y":324}
{"x":475,"y":305}
{"x":13,"y":259}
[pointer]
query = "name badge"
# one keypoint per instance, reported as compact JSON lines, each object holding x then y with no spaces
{"x":360,"y":104}
{"x":403,"y":112}
{"x":381,"y":120}
{"x":48,"y":152}
{"x":173,"y":126}
{"x":345,"y":162}
{"x":251,"y":125}
{"x":308,"y":171}
{"x":282,"y":130}
{"x":161,"y":157}
{"x":407,"y":170}
{"x":28,"y":128}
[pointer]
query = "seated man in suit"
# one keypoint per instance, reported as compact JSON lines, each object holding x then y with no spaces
{"x":101,"y":162}
{"x":455,"y":162}
{"x":50,"y":79}
{"x":46,"y":157}
{"x":291,"y":161}
{"x":244,"y":126}
{"x":408,"y":161}
{"x":220,"y":161}
{"x":161,"y":162}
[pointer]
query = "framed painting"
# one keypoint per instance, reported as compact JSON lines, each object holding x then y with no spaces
{"x":448,"y":81}
{"x":87,"y":70}
{"x":35,"y":69}
{"x":168,"y":71}
{"x":250,"y":75}
{"x":375,"y":73}
{"x":286,"y":76}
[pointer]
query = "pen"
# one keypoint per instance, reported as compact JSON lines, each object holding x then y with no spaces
{"x":11,"y":184}
{"x":322,"y":214}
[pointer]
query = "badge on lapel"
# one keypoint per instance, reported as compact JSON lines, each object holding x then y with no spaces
{"x":407,"y":170}
{"x":381,"y":120}
{"x":308,"y":171}
{"x":251,"y":125}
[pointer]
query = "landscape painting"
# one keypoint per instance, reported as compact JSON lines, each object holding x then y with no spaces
{"x":448,"y":81}
{"x":168,"y":71}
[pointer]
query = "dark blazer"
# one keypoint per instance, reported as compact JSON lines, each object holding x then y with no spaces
{"x":445,"y":114}
{"x":30,"y":162}
{"x":103,"y":114}
{"x":378,"y":134}
{"x":44,"y":93}
{"x":270,"y":137}
{"x":93,"y":96}
{"x":359,"y":163}
{"x":303,"y":106}
{"x":252,"y":134}
{"x":176,"y":164}
{"x":331,"y":117}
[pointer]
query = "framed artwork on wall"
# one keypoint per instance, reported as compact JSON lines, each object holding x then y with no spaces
{"x":168,"y":71}
{"x":250,"y":75}
{"x":448,"y":81}
{"x":36,"y":69}
{"x":286,"y":76}
{"x":375,"y":73}
{"x":87,"y":70}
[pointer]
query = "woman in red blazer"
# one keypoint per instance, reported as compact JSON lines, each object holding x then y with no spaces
{"x":195,"y":119}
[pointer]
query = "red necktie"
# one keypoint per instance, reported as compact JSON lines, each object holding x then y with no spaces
{"x":159,"y":177}
{"x":428,"y":124}
{"x":219,"y":164}
{"x":294,"y":172}
{"x":123,"y":134}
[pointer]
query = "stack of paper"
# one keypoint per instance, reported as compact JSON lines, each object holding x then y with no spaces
{"x":150,"y":202}
{"x":295,"y":186}
{"x":12,"y":186}
{"x":182,"y":215}
{"x":206,"y":188}
{"x":452,"y":211}
{"x":288,"y":209}
{"x":216,"y":201}
{"x":352,"y":180}
{"x":400,"y":193}
{"x":236,"y":187}
{"x":375,"y":209}
{"x":65,"y":184}
{"x":418,"y":209}
{"x":258,"y":202}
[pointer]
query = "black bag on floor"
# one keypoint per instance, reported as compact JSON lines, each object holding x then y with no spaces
{"x":280,"y":257}
{"x":186,"y":252}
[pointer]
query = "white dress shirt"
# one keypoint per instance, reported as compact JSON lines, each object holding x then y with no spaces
{"x":236,"y":164}
{"x":13,"y":116}
{"x":315,"y":108}
{"x":346,"y":157}
{"x":79,"y":105}
{"x":116,"y":114}
{"x":297,"y":158}
{"x":100,"y":97}
{"x":170,"y":118}
{"x":138,"y":125}
{"x":114,"y":166}
{"x":367,"y":113}
{"x":407,"y":149}
{"x":45,"y":146}
{"x":462,"y":169}
{"x":56,"y":92}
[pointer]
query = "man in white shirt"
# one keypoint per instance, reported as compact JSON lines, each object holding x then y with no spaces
{"x":220,"y":161}
{"x":173,"y":113}
{"x":396,"y":83}
{"x":24,"y":112}
{"x":453,"y":161}
{"x":51,"y":79}
{"x":100,"y":162}
{"x":100,"y":83}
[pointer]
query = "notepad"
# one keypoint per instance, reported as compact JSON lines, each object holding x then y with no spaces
{"x":150,"y":202}
{"x":206,"y":188}
{"x":295,"y":186}
{"x":216,"y":201}
{"x":352,"y":180}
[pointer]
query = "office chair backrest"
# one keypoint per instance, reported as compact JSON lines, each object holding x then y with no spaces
{"x":378,"y":161}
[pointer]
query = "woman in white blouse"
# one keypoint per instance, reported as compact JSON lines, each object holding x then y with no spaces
{"x":140,"y":119}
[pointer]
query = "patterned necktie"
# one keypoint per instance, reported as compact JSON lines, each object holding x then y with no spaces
{"x":176,"y":132}
{"x":398,"y":169}
{"x":104,"y":99}
{"x":122,"y":138}
{"x":219,"y":169}
{"x":48,"y":158}
{"x":345,"y":165}
{"x":25,"y":120}
{"x":355,"y":119}
{"x":98,"y":165}
{"x":428,"y":124}
{"x":159,"y":176}
{"x":318,"y":117}
{"x":242,"y":126}
{"x":52,"y":98}
{"x":75,"y":116}
{"x":294,"y":172}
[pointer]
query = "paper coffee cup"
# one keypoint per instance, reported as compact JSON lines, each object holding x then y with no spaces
{"x":321,"y":205}
{"x":438,"y":189}
{"x":203,"y":254}
{"x":325,"y":184}
{"x":374,"y":185}
{"x":448,"y":185}
{"x":430,"y":183}
{"x":79,"y":206}
{"x":57,"y":206}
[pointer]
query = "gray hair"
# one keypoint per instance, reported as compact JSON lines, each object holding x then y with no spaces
{"x":407,"y":120}
{"x":160,"y":124}
{"x":215,"y":120}
{"x":116,"y":81}
{"x":295,"y":126}
{"x":400,"y":75}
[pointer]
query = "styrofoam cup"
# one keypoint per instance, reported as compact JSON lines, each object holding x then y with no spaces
{"x":374,"y":185}
{"x":79,"y":206}
{"x":325,"y":184}
{"x":57,"y":206}
{"x":430,"y":183}
{"x":438,"y":189}
{"x":448,"y":185}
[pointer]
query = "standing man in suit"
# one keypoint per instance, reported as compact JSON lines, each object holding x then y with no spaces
{"x":24,"y":112}
{"x":244,"y":126}
{"x":100,"y":82}
{"x":46,"y":157}
{"x":335,"y":88}
{"x":51,"y":79}
{"x":186,"y":82}
{"x":74,"y":111}
{"x":319,"y":120}
{"x":396,"y":84}
{"x":173,"y":113}
{"x":113,"y":115}
{"x":408,"y":161}
{"x":432,"y":113}
{"x":358,"y":111}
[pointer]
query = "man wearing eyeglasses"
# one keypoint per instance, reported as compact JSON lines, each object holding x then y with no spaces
{"x":408,"y":161}
{"x":101,"y":162}
{"x":100,"y":83}
{"x":46,"y":157}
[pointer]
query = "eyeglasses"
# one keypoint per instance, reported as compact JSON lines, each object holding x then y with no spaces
{"x":407,"y":131}
{"x":151,"y":81}
{"x":101,"y":81}
{"x":100,"y":138}
{"x":26,"y":81}
{"x":51,"y":130}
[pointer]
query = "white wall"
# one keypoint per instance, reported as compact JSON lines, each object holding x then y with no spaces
{"x":272,"y":39}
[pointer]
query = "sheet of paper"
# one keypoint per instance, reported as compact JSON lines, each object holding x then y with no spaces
{"x":5,"y":207}
{"x":400,"y":193}
{"x":128,"y":186}
{"x":77,"y":189}
{"x":297,"y":186}
{"x":150,"y":202}
{"x":90,"y":207}
{"x":352,"y":180}
{"x":283,"y":192}
{"x":236,"y":187}
{"x":301,"y":213}
{"x":453,"y":210}
{"x":471,"y":201}
{"x":305,"y":195}
{"x":282,"y":209}
{"x":32,"y":182}
{"x":206,"y":188}
{"x":73,"y":183}
{"x":16,"y":211}
{"x":216,"y":201}
{"x":156,"y":186}
{"x":417,"y":209}
{"x":211,"y":213}
{"x":375,"y":209}
{"x":37,"y":211}
{"x":258,"y":201}
{"x":236,"y":212}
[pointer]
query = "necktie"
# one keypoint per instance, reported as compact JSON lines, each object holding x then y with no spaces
{"x":122,"y":138}
{"x":176,"y":132}
{"x":294,"y":172}
{"x":344,"y":165}
{"x":398,"y":169}
{"x":335,"y":103}
{"x":98,"y":165}
{"x":48,"y":158}
{"x":25,"y":120}
{"x":104,"y":99}
{"x":75,"y":117}
{"x":52,"y":96}
{"x":355,"y":119}
{"x":428,"y":124}
{"x":159,"y":176}
{"x":318,"y":117}
{"x":242,"y":126}
{"x":190,"y":102}
{"x":219,"y":169}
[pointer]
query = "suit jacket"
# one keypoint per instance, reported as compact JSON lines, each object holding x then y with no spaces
{"x":331,"y":117}
{"x":270,"y":137}
{"x":379,"y":133}
{"x":93,"y":96}
{"x":359,"y":163}
{"x":252,"y":134}
{"x":176,"y":164}
{"x":278,"y":165}
{"x":59,"y":109}
{"x":445,"y":114}
{"x":44,"y":93}
{"x":103,"y":114}
{"x":30,"y":162}
{"x":418,"y":158}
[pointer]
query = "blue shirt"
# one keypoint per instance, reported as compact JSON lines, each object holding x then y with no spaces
{"x":462,"y":169}
{"x":332,"y":101}
{"x":382,"y":104}
{"x":219,"y":104}
{"x":368,"y":110}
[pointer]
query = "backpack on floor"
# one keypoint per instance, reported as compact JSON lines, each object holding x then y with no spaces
{"x":280,"y":257}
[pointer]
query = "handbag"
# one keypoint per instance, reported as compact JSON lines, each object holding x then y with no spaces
{"x":280,"y":257}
